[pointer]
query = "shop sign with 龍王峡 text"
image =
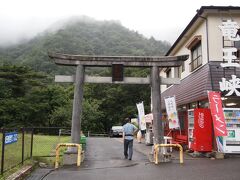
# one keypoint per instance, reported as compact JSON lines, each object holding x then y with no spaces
{"x":231,"y":30}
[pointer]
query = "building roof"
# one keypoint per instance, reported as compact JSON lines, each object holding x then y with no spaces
{"x":198,"y":15}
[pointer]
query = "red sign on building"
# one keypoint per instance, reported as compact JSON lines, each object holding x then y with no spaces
{"x":217,"y":113}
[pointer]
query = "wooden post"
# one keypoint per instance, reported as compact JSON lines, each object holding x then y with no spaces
{"x":77,"y":105}
{"x":3,"y":150}
{"x":23,"y":143}
{"x":156,"y":106}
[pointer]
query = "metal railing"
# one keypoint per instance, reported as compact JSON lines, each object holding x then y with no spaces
{"x":156,"y":151}
{"x":20,"y":144}
{"x":33,"y":142}
{"x":97,"y":134}
{"x":79,"y":151}
{"x":16,"y":147}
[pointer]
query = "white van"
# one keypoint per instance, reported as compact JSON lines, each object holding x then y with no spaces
{"x":116,"y":131}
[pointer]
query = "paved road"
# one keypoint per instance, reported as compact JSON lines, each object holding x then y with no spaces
{"x":104,"y":161}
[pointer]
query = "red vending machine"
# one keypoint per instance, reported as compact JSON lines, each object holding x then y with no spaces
{"x":200,"y":130}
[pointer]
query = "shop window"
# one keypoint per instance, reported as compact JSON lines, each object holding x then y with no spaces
{"x":203,"y":104}
{"x":181,"y":121}
{"x":196,"y":54}
{"x":193,"y":105}
{"x":182,"y":116}
{"x":182,"y":108}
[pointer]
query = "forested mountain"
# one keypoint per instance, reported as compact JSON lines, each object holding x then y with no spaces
{"x":29,"y":97}
{"x":82,"y":36}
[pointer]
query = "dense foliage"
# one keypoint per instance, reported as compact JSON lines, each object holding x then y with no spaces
{"x":29,"y":97}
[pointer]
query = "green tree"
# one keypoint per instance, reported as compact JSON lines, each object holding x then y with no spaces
{"x":16,"y":83}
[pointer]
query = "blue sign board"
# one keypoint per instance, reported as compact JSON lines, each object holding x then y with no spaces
{"x":11,"y":137}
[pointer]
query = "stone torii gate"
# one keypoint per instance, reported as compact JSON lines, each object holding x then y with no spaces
{"x":117,"y":62}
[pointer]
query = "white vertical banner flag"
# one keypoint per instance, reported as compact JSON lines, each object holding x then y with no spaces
{"x":141,"y":115}
{"x":171,"y":109}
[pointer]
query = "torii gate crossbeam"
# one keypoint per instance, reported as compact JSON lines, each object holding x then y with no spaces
{"x":127,"y":61}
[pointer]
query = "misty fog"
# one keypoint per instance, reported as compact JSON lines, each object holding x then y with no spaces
{"x":17,"y":32}
{"x":14,"y":32}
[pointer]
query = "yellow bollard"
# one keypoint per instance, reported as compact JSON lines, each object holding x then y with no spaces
{"x":156,"y":150}
{"x":79,"y":147}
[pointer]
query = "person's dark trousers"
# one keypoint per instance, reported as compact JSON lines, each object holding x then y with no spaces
{"x":128,"y":149}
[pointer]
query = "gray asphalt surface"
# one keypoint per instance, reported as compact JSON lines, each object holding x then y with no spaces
{"x":105,"y":161}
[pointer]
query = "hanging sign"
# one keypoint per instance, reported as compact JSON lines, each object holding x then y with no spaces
{"x":170,"y":103}
{"x":231,"y":30}
{"x":141,"y":114}
{"x":219,"y":124}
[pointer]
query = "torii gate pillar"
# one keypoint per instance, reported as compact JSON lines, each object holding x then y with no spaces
{"x":156,"y":104}
{"x":77,"y":105}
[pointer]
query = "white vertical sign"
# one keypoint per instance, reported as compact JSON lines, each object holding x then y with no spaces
{"x":141,"y":114}
{"x":171,"y":109}
{"x":230,"y":29}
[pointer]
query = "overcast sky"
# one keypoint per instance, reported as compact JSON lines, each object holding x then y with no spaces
{"x":162,"y":19}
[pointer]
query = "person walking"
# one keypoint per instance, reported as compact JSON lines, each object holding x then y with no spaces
{"x":128,"y":133}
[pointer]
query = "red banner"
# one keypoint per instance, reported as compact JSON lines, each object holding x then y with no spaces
{"x":219,"y":124}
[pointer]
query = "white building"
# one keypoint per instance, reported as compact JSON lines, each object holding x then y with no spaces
{"x":205,"y":39}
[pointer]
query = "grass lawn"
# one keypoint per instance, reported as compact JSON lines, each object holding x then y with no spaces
{"x":45,"y":145}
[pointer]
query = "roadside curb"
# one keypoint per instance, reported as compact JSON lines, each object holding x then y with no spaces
{"x":20,"y":174}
